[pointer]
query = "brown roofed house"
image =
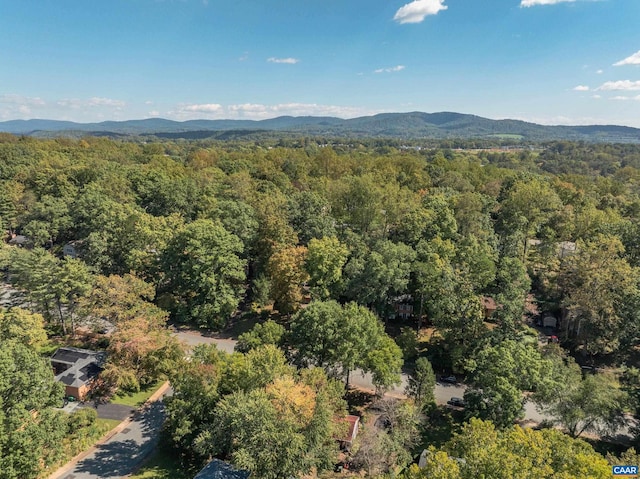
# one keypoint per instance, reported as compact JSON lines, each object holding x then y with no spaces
{"x":351,"y":431}
{"x":489,"y":306}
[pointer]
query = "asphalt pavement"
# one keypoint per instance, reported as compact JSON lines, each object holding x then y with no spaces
{"x":442,"y":392}
{"x":124,"y":452}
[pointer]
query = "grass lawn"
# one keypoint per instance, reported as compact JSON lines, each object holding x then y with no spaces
{"x":139,"y":398}
{"x":162,"y":465}
{"x":106,"y":424}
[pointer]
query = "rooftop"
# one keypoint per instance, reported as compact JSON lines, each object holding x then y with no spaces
{"x":75,"y":366}
{"x":352,"y":431}
{"x":218,"y":469}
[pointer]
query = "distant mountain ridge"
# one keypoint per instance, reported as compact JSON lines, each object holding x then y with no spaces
{"x":413,"y":125}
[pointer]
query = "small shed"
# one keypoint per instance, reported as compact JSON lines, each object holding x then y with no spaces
{"x":351,"y":431}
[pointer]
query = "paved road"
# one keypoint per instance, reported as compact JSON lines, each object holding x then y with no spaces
{"x":124,"y":452}
{"x":119,"y":412}
{"x":443,"y":392}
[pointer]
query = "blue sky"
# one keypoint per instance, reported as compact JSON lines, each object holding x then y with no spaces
{"x":547,"y":61}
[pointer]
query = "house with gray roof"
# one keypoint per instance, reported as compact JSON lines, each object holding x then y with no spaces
{"x":76,"y":368}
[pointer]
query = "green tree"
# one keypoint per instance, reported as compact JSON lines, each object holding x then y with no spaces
{"x":499,"y":376}
{"x":421,"y":383}
{"x":600,"y":290}
{"x":287,"y":276}
{"x":592,"y":404}
{"x":324,"y":262}
{"x":254,"y":370}
{"x":55,"y":288}
{"x":341,"y":339}
{"x":33,"y":273}
{"x":357,"y":204}
{"x":118,"y":299}
{"x":483,"y":451}
{"x":438,"y":465}
{"x":434,"y":279}
{"x":71,"y":283}
{"x":385,"y":362}
{"x":477,"y":262}
{"x":238,"y":218}
{"x":274,"y":232}
{"x":203,"y":274}
{"x":315,"y":335}
{"x":191,"y":408}
{"x":310,"y":216}
{"x":48,"y":220}
{"x":512,"y":286}
{"x":268,"y":332}
{"x":527,"y":203}
{"x":273,"y":432}
{"x":24,"y":326}
{"x":379,"y":274}
{"x":30,"y":430}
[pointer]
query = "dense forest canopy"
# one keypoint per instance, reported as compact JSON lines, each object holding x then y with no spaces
{"x":215,"y":225}
{"x":321,"y":242}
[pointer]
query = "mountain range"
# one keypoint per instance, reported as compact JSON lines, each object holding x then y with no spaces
{"x":414,"y":126}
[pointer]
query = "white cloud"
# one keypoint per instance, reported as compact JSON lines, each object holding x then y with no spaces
{"x":531,"y":3}
{"x":77,"y":109}
{"x":77,"y":103}
{"x":397,"y":68}
{"x":11,"y":99}
{"x":416,"y":11}
{"x":14,"y":106}
{"x":596,"y":97}
{"x":203,"y":108}
{"x":288,"y":61}
{"x":626,"y":98}
{"x":632,"y":60}
{"x":154,"y":113}
{"x":96,"y":101}
{"x":581,"y":88}
{"x":623,"y":85}
{"x":258,"y":111}
{"x":600,"y":72}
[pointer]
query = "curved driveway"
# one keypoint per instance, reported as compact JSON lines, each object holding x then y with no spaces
{"x":124,"y":452}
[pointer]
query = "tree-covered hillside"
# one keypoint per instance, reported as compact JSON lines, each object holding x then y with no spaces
{"x":406,"y":126}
